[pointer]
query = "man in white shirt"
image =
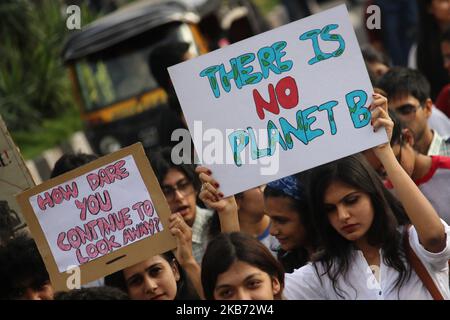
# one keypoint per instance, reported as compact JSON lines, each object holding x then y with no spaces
{"x":439,"y":122}
{"x":408,"y":93}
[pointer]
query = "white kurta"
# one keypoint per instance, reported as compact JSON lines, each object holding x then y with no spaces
{"x":360,"y":283}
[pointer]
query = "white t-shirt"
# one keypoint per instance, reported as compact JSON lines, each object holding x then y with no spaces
{"x":361,"y":284}
{"x":439,"y":122}
{"x":200,"y":233}
{"x":435,"y":186}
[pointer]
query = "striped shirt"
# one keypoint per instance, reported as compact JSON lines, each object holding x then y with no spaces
{"x":200,"y":233}
{"x":439,"y":146}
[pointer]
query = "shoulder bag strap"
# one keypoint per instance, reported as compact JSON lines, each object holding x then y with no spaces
{"x":419,"y":268}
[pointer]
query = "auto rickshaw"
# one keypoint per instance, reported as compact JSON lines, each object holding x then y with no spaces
{"x":119,"y":99}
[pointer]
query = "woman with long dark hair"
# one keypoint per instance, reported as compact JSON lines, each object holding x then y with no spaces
{"x":362,"y":253}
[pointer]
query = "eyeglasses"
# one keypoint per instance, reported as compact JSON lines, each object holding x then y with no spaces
{"x":185,"y":187}
{"x":406,"y":109}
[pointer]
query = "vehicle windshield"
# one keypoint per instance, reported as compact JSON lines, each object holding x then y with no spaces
{"x":122,"y":72}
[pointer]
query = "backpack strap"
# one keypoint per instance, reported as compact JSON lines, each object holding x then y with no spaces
{"x":419,"y":268}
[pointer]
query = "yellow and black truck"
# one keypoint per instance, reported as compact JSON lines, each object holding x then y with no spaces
{"x":119,"y":99}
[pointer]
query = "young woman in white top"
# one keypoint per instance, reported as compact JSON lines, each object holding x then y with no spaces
{"x":363,"y":255}
{"x":237,"y":266}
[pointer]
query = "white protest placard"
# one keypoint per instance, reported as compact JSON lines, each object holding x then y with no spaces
{"x":14,"y":177}
{"x":280,"y":102}
{"x":102,"y":217}
{"x":103,"y":210}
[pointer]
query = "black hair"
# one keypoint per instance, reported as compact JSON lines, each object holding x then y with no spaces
{"x":298,"y":257}
{"x":163,"y":56}
{"x":21,"y":267}
{"x":9,"y":221}
{"x":162,"y":162}
{"x":429,"y":55}
{"x":213,"y":226}
{"x":185,"y":288}
{"x":336,"y":251}
{"x":70,"y":161}
{"x":210,"y":27}
{"x":400,"y":81}
{"x":94,"y":293}
{"x":227,"y":248}
{"x":397,"y":135}
{"x":298,"y":205}
{"x":292,"y":260}
{"x":372,"y":55}
{"x":445,"y":36}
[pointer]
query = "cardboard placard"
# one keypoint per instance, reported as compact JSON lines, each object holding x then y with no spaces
{"x":280,"y":102}
{"x":14,"y":177}
{"x":100,"y":218}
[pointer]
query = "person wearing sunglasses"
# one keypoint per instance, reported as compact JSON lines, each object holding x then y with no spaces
{"x":408,"y":92}
{"x":180,"y":186}
{"x":430,"y":173}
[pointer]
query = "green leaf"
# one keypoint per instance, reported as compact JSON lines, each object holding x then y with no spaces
{"x":251,"y":80}
{"x":235,"y":73}
{"x":214,"y":83}
{"x":211,"y":69}
{"x":288,"y":138}
{"x":245,"y":58}
{"x":225,"y":81}
{"x":338,"y":52}
{"x":279,"y":46}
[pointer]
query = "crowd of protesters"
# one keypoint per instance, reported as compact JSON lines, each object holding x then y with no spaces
{"x":362,"y":227}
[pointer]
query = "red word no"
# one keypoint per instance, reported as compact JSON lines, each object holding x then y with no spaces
{"x":285,"y":94}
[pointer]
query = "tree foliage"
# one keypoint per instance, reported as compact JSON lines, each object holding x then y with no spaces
{"x":34,"y":85}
